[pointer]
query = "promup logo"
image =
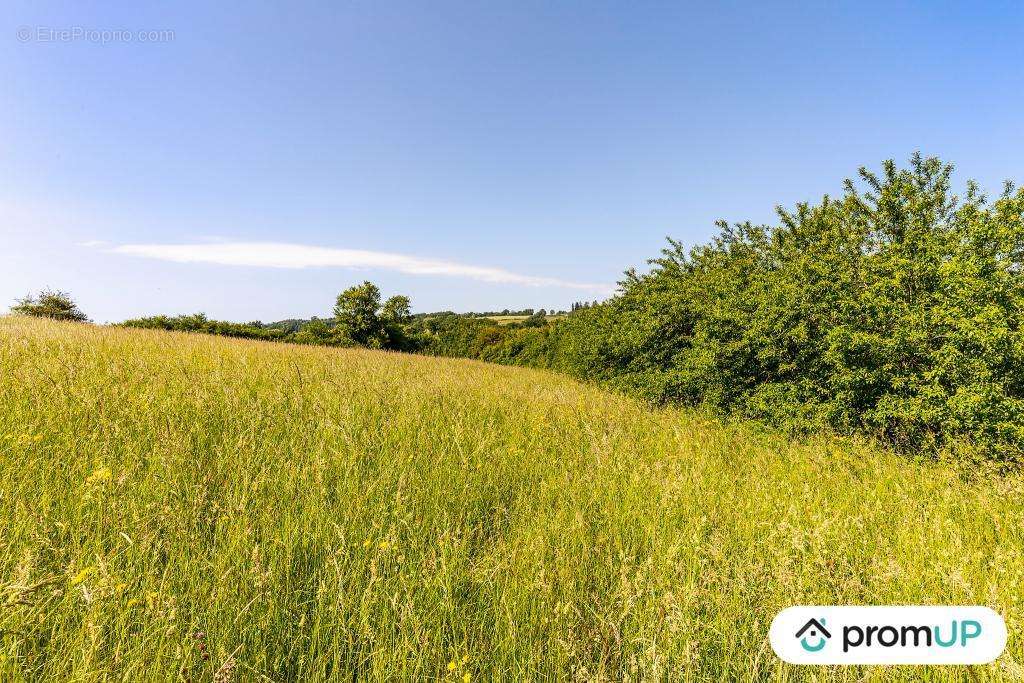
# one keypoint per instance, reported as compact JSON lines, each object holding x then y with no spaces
{"x":817,"y":629}
{"x":888,"y":635}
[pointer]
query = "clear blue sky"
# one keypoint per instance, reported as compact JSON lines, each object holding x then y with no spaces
{"x":472,"y":155}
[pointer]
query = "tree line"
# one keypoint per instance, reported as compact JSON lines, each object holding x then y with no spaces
{"x":360,"y":319}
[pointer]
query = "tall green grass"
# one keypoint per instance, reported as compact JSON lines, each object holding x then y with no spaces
{"x":339,"y":514}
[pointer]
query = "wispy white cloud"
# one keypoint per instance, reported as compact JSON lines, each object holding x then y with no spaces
{"x":284,"y":255}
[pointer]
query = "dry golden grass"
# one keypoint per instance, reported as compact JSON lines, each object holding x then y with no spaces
{"x":338,"y":514}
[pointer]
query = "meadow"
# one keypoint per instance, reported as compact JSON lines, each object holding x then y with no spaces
{"x":188,"y":507}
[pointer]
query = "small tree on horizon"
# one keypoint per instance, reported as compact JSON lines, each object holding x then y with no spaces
{"x":53,"y":304}
{"x":397,"y":309}
{"x":356,"y":312}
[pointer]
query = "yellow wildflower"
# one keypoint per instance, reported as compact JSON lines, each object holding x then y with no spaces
{"x":82,"y":576}
{"x":99,"y":475}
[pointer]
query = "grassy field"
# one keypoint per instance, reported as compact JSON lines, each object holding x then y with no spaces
{"x":336,"y":514}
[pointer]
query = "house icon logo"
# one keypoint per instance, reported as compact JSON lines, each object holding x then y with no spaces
{"x":814,"y":630}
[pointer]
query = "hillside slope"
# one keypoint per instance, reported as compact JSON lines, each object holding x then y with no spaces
{"x":322,"y":513}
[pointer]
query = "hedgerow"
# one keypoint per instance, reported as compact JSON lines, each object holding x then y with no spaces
{"x":893,"y":309}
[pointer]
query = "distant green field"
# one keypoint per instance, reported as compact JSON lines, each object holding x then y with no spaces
{"x":185,"y":507}
{"x":507,"y":319}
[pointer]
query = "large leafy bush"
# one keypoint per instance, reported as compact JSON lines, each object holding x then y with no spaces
{"x":894,"y":309}
{"x":50,"y":304}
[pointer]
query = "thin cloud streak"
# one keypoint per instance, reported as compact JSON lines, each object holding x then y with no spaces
{"x":283,"y":255}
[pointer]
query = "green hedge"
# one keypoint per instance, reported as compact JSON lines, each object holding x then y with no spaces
{"x":894,"y":310}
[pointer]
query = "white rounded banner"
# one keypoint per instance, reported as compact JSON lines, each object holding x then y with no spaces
{"x":888,"y":635}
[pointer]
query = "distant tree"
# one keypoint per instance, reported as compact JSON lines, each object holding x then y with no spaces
{"x":397,"y":309}
{"x":537,"y":319}
{"x":50,"y":304}
{"x":356,"y":312}
{"x":396,"y":317}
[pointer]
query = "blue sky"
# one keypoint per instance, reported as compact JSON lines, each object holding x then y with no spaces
{"x":471,"y":155}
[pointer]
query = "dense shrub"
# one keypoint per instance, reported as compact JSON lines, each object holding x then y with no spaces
{"x":449,"y":334}
{"x":894,"y":310}
{"x":454,"y":335}
{"x":50,"y":304}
